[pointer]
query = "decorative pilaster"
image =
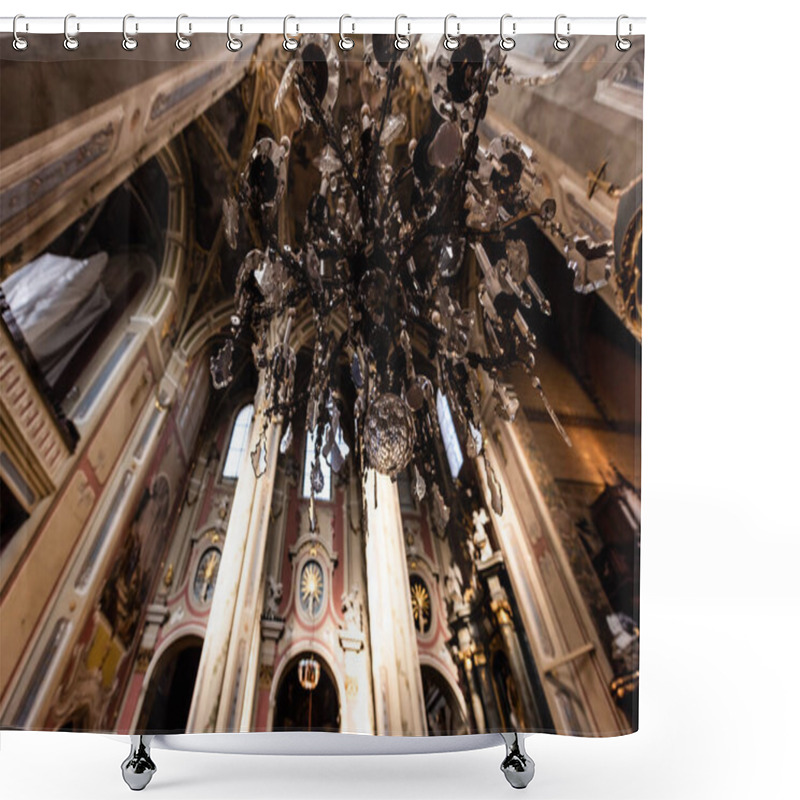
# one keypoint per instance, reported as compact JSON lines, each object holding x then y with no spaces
{"x":480,"y":668}
{"x":555,"y":616}
{"x":466,"y":653}
{"x":356,"y":710}
{"x":397,"y":680}
{"x":502,"y":611}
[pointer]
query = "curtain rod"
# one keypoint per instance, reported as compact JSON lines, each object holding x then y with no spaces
{"x":188,"y":25}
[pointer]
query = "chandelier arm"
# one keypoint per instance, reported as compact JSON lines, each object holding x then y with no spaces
{"x":397,"y":179}
{"x":450,"y":225}
{"x":425,"y":230}
{"x":414,"y":239}
{"x":332,"y":136}
{"x":377,"y":131}
{"x":475,"y":359}
{"x":297,"y":272}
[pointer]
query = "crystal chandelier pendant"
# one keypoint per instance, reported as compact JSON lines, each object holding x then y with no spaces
{"x":389,"y":435}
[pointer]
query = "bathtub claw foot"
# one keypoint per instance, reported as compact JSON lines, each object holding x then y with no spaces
{"x":138,"y":768}
{"x":517,"y":766}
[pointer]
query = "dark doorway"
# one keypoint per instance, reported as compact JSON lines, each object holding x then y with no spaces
{"x":298,"y":709}
{"x":441,"y":707}
{"x":169,"y":695}
{"x":508,"y":699}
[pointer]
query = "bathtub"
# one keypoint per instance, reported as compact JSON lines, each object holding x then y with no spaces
{"x":139,"y":767}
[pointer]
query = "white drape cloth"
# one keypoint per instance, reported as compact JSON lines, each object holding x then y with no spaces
{"x":57,"y":301}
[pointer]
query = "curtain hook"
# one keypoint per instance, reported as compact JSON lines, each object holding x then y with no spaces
{"x":560,"y":43}
{"x":182,"y":43}
{"x":507,"y":42}
{"x":19,"y":43}
{"x":233,"y":44}
{"x":623,"y":44}
{"x":451,"y":42}
{"x":70,"y":41}
{"x":128,"y":42}
{"x":289,"y":43}
{"x":345,"y":42}
{"x":401,"y":42}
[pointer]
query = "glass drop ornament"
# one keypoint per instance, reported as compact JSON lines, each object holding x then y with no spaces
{"x":389,"y":434}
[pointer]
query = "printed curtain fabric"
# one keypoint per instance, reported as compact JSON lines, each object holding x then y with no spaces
{"x":320,"y":385}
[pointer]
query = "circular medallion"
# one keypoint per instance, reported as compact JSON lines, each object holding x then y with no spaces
{"x":205,"y":576}
{"x":312,"y":588}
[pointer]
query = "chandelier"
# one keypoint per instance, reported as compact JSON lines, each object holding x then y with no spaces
{"x":308,"y":673}
{"x":391,"y":258}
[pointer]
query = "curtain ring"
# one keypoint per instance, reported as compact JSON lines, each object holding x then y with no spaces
{"x":401,"y":42}
{"x":70,"y":42}
{"x":345,"y":42}
{"x":507,"y":42}
{"x":128,"y":42}
{"x":622,"y":44}
{"x":233,"y":44}
{"x":560,"y":43}
{"x":182,"y":43}
{"x":451,"y":42}
{"x":19,"y":43}
{"x":289,"y":43}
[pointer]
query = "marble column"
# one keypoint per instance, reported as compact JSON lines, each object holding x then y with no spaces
{"x":253,"y":674}
{"x":241,"y":667}
{"x":396,"y":676}
{"x":227,"y":675}
{"x":213,"y":658}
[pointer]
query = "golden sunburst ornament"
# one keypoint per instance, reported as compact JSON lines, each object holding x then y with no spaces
{"x":420,"y":606}
{"x":311,"y":586}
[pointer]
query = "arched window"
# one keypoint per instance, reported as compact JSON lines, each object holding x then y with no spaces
{"x":298,"y":708}
{"x":73,"y":301}
{"x":455,"y":457}
{"x":324,"y":466}
{"x":238,"y":443}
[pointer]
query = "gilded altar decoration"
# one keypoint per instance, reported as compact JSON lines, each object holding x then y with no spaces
{"x":420,"y":605}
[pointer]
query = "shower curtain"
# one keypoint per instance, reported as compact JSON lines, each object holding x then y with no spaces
{"x":320,"y":384}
